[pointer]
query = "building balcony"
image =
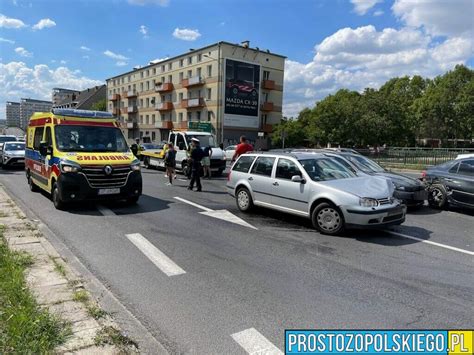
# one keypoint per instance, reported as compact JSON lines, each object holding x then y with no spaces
{"x":192,"y":81}
{"x":181,"y":125}
{"x":268,"y":84}
{"x":131,"y":125}
{"x":114,"y":97}
{"x":115,"y":111}
{"x":131,"y":93}
{"x":267,"y":128}
{"x":267,"y":106}
{"x":124,"y":110}
{"x":164,"y":106}
{"x":192,"y":103}
{"x":164,"y":87}
{"x":132,"y":109}
{"x":164,"y":124}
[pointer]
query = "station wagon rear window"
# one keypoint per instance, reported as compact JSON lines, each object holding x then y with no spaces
{"x":263,"y":166}
{"x":243,"y":164}
{"x":324,"y":169}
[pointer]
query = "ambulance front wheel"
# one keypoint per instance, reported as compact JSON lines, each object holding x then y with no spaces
{"x":56,"y":197}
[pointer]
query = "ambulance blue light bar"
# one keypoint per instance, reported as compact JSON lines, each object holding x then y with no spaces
{"x":81,"y":113}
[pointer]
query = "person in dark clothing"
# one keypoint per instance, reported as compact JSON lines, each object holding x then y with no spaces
{"x":196,"y":156}
{"x":170,"y":163}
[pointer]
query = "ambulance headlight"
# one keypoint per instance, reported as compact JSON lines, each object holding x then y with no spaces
{"x":135,"y":166}
{"x":69,"y":166}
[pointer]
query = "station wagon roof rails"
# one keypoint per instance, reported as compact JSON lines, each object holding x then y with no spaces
{"x":81,"y":113}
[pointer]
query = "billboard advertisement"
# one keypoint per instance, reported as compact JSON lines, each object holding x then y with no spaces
{"x":241,"y":94}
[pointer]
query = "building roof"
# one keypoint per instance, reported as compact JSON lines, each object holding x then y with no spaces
{"x":194,"y":51}
{"x":86,"y":98}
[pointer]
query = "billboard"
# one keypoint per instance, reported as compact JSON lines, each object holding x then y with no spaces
{"x":241,"y":94}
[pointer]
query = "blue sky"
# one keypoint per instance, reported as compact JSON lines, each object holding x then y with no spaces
{"x":329,"y":44}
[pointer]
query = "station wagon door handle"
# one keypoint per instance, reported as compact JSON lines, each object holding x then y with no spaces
{"x":250,"y":179}
{"x":276,"y":184}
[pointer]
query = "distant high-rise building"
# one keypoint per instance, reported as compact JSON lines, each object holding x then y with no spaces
{"x":30,"y":106}
{"x":13,"y":114}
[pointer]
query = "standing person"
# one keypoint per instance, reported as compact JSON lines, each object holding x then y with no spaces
{"x":242,"y":148}
{"x":170,"y":163}
{"x":206,"y":162}
{"x":196,"y":157}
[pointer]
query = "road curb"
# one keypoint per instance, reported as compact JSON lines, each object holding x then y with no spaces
{"x":57,"y":277}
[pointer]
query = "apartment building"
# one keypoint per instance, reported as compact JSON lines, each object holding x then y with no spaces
{"x":233,"y":88}
{"x":12,"y":114}
{"x":30,"y":106}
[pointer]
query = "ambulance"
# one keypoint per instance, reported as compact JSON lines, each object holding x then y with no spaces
{"x":79,"y":155}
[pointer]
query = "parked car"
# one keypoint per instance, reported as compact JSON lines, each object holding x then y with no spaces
{"x":315,"y":186}
{"x":229,"y":152}
{"x":411,"y":191}
{"x":467,"y":155}
{"x":6,"y":138}
{"x":12,"y":154}
{"x":150,"y":147}
{"x":451,"y":183}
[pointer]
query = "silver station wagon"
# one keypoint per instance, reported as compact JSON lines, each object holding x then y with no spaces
{"x":314,"y":186}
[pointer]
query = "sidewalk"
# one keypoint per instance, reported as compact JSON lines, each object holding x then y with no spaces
{"x":60,"y":289}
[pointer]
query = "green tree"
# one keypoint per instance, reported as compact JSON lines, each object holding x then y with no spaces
{"x":100,"y":105}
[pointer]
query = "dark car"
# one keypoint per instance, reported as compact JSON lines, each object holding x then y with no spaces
{"x":237,"y":86}
{"x":411,"y":191}
{"x":451,"y":183}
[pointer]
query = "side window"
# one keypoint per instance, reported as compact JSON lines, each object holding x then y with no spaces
{"x":263,"y":166}
{"x":180,"y":142}
{"x":286,"y":169}
{"x":466,"y":168}
{"x":454,"y":169}
{"x":38,"y":137}
{"x":343,"y":162}
{"x":48,"y":139}
{"x":172,"y":136}
{"x":243,"y":164}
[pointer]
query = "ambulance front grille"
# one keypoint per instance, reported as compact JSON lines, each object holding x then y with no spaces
{"x":97,"y":177}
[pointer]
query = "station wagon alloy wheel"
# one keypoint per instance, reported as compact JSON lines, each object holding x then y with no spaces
{"x":327,"y":219}
{"x":244,"y":200}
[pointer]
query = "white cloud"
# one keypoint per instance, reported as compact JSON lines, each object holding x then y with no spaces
{"x":362,"y":6}
{"x":149,"y":2}
{"x":23,"y":52}
{"x":186,"y":34}
{"x":453,"y":17}
{"x":364,"y":57}
{"x":44,"y":23}
{"x":144,"y":31}
{"x":84,"y":48}
{"x":121,"y":63}
{"x":7,"y":22}
{"x":63,"y":62}
{"x":115,"y":56}
{"x":154,"y":61}
{"x":18,"y":80}
{"x":86,"y":57}
{"x":378,"y":13}
{"x":6,"y":40}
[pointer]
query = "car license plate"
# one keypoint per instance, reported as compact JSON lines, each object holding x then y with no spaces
{"x":21,"y":160}
{"x":109,"y":191}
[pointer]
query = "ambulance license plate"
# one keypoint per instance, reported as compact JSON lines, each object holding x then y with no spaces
{"x":109,"y":191}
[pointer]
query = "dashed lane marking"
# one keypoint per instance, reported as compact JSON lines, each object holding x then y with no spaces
{"x":156,"y":256}
{"x":432,"y":243}
{"x":255,"y":343}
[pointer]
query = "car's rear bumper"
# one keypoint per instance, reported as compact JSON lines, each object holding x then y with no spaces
{"x":364,"y":218}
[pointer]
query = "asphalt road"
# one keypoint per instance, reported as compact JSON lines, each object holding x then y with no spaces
{"x":273,"y":274}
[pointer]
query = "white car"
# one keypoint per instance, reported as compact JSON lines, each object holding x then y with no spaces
{"x":12,"y":154}
{"x":229,"y":152}
{"x":317,"y":187}
{"x":462,"y":156}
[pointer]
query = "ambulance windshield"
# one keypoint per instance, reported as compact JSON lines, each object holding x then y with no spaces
{"x":89,"y":139}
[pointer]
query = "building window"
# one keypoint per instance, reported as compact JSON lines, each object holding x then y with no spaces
{"x":190,"y":73}
{"x":141,"y":102}
{"x":147,"y":102}
{"x":198,"y":72}
{"x":141,"y":74}
{"x":266,"y":75}
{"x":190,"y":60}
{"x":209,"y":94}
{"x":163,"y":98}
{"x":199,"y":57}
{"x":141,"y":119}
{"x":153,"y":120}
{"x":209,"y":70}
{"x":154,"y":71}
{"x":147,"y":119}
{"x":170,"y":78}
{"x":180,"y":96}
{"x":162,"y":79}
{"x":190,"y":115}
{"x":147,"y":85}
{"x":181,"y":62}
{"x":148,"y":72}
{"x":170,"y":66}
{"x":198,"y":115}
{"x":181,"y":76}
{"x":153,"y":136}
{"x":141,"y":87}
{"x":209,"y":115}
{"x":162,"y":68}
{"x":180,"y":115}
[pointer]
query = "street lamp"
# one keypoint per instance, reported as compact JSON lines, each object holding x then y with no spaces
{"x":218,"y":92}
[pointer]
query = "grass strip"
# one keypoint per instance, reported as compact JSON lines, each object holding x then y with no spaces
{"x":25,"y":327}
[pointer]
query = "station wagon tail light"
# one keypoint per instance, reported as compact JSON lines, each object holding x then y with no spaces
{"x":368,"y":202}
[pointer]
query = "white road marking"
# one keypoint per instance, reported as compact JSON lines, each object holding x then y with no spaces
{"x":105,"y":211}
{"x":182,"y":179}
{"x":219,"y":214}
{"x":227,"y":216}
{"x":255,"y":343}
{"x":156,"y":256}
{"x":193,"y":204}
{"x":432,"y":243}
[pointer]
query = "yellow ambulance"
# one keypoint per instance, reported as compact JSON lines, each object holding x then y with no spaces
{"x":79,"y":155}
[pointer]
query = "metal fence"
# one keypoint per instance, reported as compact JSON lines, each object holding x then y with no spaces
{"x":415,"y":156}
